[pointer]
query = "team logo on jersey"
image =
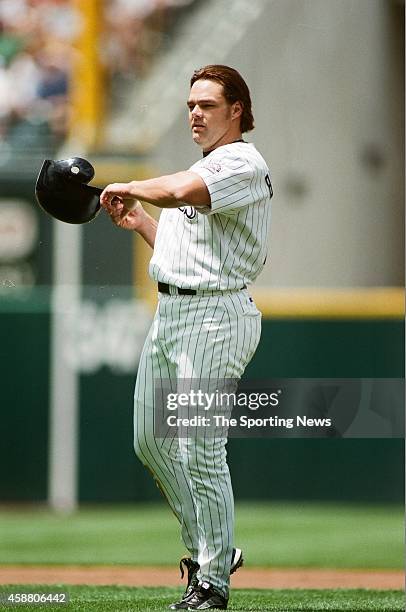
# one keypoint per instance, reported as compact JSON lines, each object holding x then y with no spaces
{"x":189,"y":212}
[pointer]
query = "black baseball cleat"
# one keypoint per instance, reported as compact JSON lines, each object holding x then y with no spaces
{"x":192,"y":568}
{"x":204,"y":596}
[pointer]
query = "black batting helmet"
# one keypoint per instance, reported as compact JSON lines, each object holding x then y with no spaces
{"x":62,"y":190}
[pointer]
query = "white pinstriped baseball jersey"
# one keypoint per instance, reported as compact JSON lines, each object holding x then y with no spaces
{"x":224,"y":246}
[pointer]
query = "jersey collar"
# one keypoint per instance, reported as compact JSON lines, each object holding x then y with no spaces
{"x":206,"y":153}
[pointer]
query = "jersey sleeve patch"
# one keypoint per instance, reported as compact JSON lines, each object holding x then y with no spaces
{"x":213,"y":167}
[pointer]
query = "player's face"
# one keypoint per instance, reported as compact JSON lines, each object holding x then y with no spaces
{"x":213,"y":120}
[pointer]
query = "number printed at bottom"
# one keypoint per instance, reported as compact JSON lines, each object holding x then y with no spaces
{"x":27,"y":597}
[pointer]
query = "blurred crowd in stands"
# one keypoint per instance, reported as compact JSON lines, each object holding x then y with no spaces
{"x":35,"y":53}
{"x":135,"y":31}
{"x":37,"y":40}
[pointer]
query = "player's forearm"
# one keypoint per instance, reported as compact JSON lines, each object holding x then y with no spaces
{"x":148,"y":230}
{"x":171,"y":191}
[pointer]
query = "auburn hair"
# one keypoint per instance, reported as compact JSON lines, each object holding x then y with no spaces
{"x":234,"y":87}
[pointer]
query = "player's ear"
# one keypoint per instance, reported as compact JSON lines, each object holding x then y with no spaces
{"x":236,"y":109}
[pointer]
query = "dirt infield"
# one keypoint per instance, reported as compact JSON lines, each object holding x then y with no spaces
{"x":164,"y":576}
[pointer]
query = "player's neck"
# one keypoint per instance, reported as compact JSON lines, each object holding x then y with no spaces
{"x":224,"y":141}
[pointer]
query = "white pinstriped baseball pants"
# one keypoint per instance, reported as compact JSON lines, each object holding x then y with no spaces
{"x":195,"y":337}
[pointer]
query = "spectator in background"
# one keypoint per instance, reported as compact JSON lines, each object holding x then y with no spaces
{"x":36,"y":39}
{"x":130,"y":36}
{"x":36,"y":55}
{"x":135,"y":32}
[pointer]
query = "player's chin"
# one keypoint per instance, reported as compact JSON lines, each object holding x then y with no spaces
{"x":196,"y":137}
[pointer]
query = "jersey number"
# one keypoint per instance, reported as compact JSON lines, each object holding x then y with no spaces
{"x":268,"y":182}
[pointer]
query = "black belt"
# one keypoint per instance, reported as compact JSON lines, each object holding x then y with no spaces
{"x":165,"y":288}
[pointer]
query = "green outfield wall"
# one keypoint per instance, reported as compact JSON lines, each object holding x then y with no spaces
{"x":322,"y":469}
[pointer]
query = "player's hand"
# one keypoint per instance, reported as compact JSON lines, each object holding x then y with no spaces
{"x":120,"y":190}
{"x":127,"y":213}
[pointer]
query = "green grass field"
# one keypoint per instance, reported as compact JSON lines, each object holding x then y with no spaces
{"x":122,"y":599}
{"x":271,"y":534}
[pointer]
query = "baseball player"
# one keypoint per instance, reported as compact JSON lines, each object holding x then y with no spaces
{"x":209,"y":245}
